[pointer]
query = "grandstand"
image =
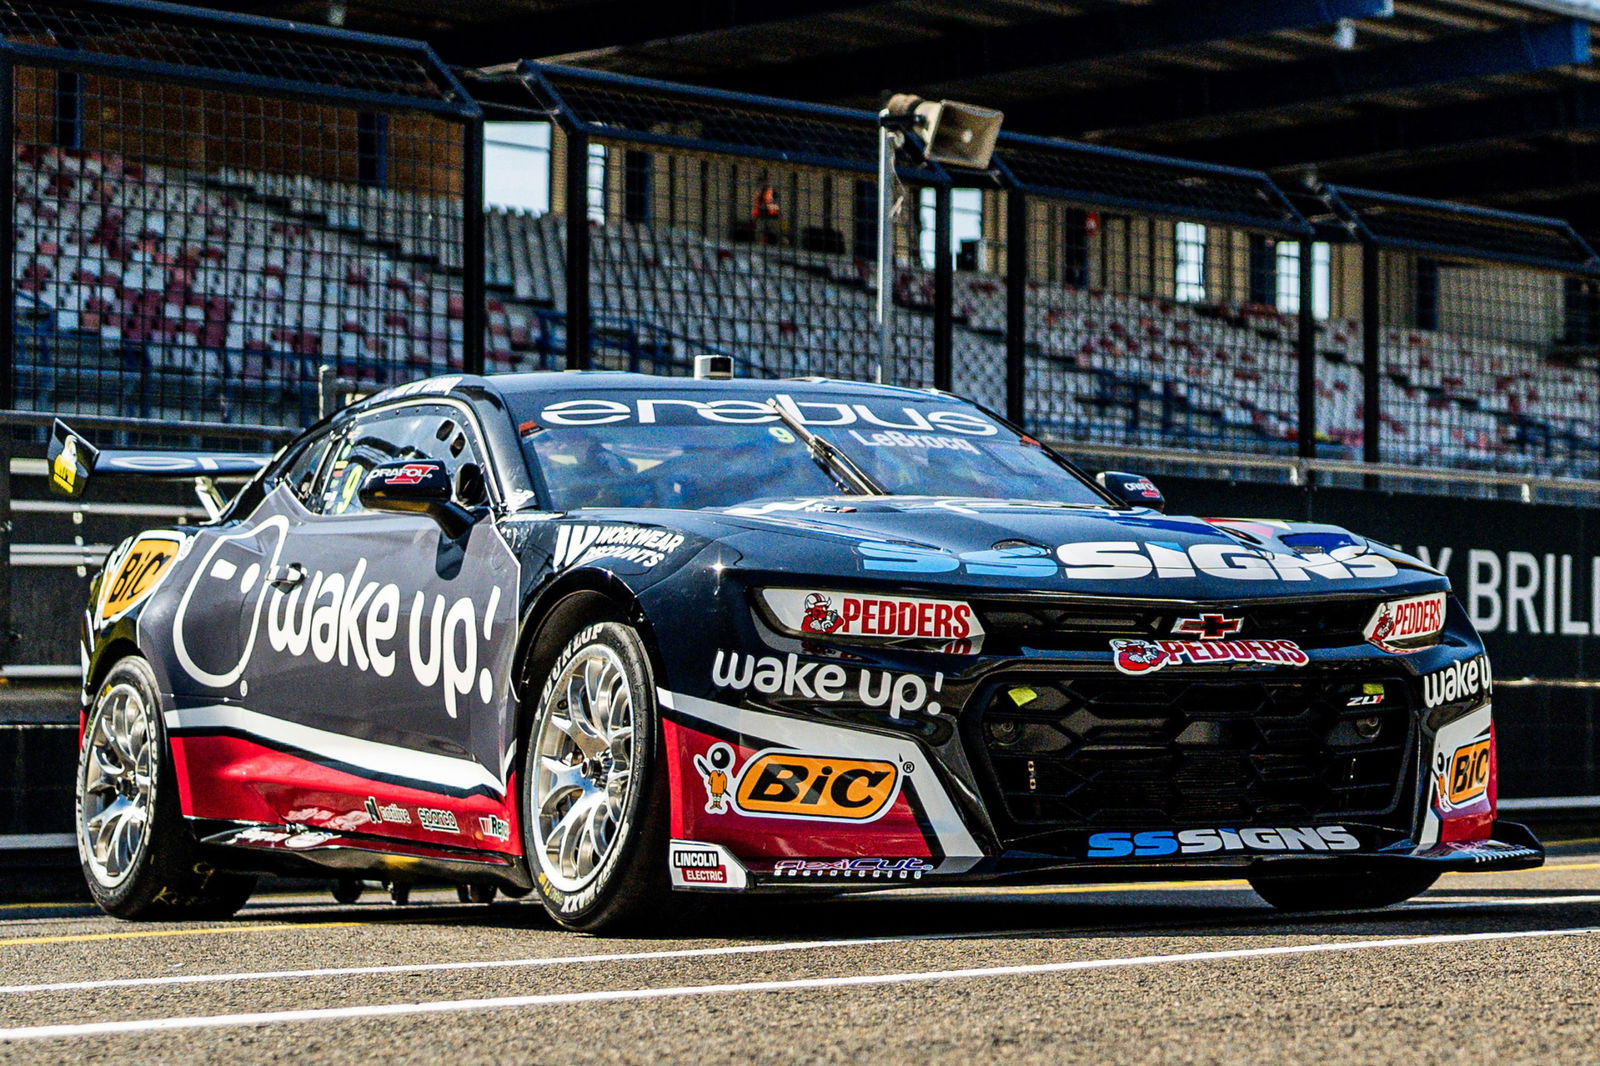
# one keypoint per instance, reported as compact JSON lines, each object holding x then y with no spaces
{"x":161,"y":273}
{"x":161,"y":293}
{"x":184,"y":296}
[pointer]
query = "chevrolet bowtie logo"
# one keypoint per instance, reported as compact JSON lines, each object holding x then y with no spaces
{"x":1208,"y":626}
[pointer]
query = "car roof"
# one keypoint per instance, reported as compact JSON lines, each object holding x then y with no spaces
{"x":590,"y":381}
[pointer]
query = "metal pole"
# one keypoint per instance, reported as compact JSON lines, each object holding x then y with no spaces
{"x":886,"y":139}
{"x":1016,"y":305}
{"x":577,"y":250}
{"x":474,"y":309}
{"x":8,"y":236}
{"x":1371,"y":363}
{"x":8,"y":340}
{"x":1307,"y":350}
{"x":944,"y":301}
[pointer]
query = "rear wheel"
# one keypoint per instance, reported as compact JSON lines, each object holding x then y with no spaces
{"x":138,"y":857}
{"x":594,"y":797}
{"x":1366,"y":890}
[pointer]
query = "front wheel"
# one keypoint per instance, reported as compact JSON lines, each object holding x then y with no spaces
{"x":138,"y":857}
{"x":1366,"y":890}
{"x":595,"y":801}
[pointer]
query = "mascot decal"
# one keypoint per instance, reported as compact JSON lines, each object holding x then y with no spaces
{"x":1138,"y":656}
{"x":820,"y":617}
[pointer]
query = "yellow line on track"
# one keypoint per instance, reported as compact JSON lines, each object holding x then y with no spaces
{"x":78,"y":938}
{"x":1549,"y":867}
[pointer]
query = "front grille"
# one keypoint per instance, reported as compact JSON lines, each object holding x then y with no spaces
{"x":1117,"y":752}
{"x":1015,"y":624}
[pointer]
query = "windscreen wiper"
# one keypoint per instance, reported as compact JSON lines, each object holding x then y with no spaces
{"x":828,"y":456}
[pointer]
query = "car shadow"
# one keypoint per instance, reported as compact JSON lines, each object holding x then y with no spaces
{"x":1162,"y":912}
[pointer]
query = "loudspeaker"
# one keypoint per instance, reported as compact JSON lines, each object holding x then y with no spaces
{"x":953,"y":133}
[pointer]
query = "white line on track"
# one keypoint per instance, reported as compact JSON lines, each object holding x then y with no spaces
{"x":696,"y":953}
{"x":456,"y":1006}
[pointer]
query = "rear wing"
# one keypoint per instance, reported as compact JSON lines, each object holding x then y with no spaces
{"x":72,"y":461}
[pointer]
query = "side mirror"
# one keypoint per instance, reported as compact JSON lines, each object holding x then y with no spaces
{"x":416,"y":486}
{"x":472,"y":490}
{"x":1135,"y":490}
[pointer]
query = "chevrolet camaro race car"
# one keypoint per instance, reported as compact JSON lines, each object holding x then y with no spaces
{"x":601,"y":636}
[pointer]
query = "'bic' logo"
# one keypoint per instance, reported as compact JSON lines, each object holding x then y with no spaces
{"x":136,"y":574}
{"x":788,"y":784}
{"x":1469,"y":772}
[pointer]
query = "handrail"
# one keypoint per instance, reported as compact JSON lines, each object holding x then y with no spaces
{"x":1298,"y":468}
{"x":239,"y":430}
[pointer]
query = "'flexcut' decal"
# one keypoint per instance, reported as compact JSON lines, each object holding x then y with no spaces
{"x":1147,"y":656}
{"x":779,"y":783}
{"x":886,"y":869}
{"x":134,"y":572}
{"x":333,"y":616}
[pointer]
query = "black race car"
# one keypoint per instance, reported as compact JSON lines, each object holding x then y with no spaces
{"x":602,"y":635}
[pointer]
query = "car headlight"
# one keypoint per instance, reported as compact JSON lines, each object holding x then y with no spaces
{"x":1401,"y":626}
{"x":865,"y":617}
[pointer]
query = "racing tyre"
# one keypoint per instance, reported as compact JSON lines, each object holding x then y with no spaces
{"x":595,"y":802}
{"x":1367,"y":890}
{"x":138,"y":856}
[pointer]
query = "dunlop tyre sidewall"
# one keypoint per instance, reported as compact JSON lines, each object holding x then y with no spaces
{"x":632,"y":880}
{"x":170,"y":879}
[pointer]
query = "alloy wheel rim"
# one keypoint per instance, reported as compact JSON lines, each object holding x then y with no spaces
{"x":583,"y":774}
{"x":118,"y":784}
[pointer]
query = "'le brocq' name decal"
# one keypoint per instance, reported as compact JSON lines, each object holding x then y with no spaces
{"x":1148,"y":656}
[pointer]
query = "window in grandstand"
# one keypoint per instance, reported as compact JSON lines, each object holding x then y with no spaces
{"x":1581,"y":311}
{"x":372,"y":149}
{"x":516,"y":165}
{"x":69,"y":109}
{"x":636,"y":173}
{"x":966,"y":223}
{"x":1189,"y":264}
{"x":864,"y":243}
{"x":1076,"y":227}
{"x":597,"y":183}
{"x":1263,"y":270}
{"x":1288,"y":300}
{"x":1427,"y":294}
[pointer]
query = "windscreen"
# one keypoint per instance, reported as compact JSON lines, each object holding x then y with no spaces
{"x":692,"y":449}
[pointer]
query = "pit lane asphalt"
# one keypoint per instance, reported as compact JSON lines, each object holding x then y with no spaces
{"x":1486,"y":967}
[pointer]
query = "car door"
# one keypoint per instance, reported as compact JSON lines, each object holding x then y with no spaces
{"x":385,"y":645}
{"x":215,"y":619}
